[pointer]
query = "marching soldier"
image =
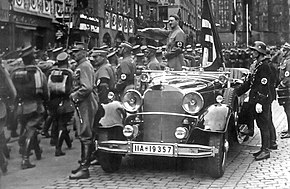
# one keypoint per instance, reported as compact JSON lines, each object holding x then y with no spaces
{"x":86,"y":105}
{"x":126,"y":69}
{"x":60,"y":105}
{"x":31,"y":94}
{"x":260,"y":97}
{"x":7,"y":98}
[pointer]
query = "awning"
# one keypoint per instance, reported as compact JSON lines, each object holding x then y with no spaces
{"x":26,"y":27}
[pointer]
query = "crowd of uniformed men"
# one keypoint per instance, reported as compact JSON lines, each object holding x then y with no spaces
{"x":75,"y":82}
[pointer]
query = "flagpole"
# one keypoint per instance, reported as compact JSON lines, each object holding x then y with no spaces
{"x":235,"y":32}
{"x":247,"y":24}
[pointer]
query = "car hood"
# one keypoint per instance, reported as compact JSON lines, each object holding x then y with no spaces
{"x":195,"y":82}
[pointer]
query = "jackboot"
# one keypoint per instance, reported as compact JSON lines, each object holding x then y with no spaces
{"x":273,"y":145}
{"x":265,"y":154}
{"x":80,"y":161}
{"x":58,"y":146}
{"x":68,"y":139}
{"x":3,"y":163}
{"x":83,"y":172}
{"x":25,"y":164}
{"x":36,"y":147}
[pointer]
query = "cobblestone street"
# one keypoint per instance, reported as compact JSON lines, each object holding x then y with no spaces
{"x":241,"y":171}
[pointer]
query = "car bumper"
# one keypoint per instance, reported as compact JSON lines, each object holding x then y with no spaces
{"x":157,"y":149}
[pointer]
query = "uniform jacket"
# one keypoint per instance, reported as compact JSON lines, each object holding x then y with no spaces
{"x":175,"y":43}
{"x":85,"y":97}
{"x":260,"y":84}
{"x":105,"y":81}
{"x":4,"y":101}
{"x":125,"y":73}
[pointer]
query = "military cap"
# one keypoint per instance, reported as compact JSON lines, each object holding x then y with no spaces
{"x":188,"y":46}
{"x":104,"y":47}
{"x":189,"y":50}
{"x":136,"y":47}
{"x":57,"y":50}
{"x":198,"y":45}
{"x":78,"y":47}
{"x":26,"y":51}
{"x":152,"y":48}
{"x":140,"y":55}
{"x":112,"y":53}
{"x":99,"y":52}
{"x":143,"y":47}
{"x":126,"y":44}
{"x":62,"y":57}
{"x":159,"y":51}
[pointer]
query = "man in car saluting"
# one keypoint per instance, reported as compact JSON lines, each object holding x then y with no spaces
{"x":175,"y":41}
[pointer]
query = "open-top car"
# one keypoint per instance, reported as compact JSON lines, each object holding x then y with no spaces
{"x":179,"y":114}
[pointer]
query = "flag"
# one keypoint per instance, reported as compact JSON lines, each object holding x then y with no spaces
{"x":211,"y":45}
{"x":234,"y":20}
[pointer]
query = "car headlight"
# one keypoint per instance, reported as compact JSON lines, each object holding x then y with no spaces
{"x":111,"y":96}
{"x":181,"y":133}
{"x":132,"y":100}
{"x":192,"y":102}
{"x":130,"y":131}
{"x":145,"y":78}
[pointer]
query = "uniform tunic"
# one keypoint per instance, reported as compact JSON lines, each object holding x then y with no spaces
{"x":175,"y":42}
{"x":125,"y":74}
{"x":86,"y":98}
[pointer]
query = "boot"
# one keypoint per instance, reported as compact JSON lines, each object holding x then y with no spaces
{"x":84,"y":173}
{"x":60,"y":139}
{"x":257,"y":153}
{"x":3,"y":163}
{"x":36,"y":147}
{"x":25,"y":164}
{"x":80,"y":161}
{"x":67,"y":139}
{"x":273,"y":145}
{"x":265,"y":154}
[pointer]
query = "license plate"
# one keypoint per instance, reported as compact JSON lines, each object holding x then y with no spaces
{"x":153,"y":149}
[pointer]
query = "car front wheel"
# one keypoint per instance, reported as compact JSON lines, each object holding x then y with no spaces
{"x":216,"y":164}
{"x":110,"y":162}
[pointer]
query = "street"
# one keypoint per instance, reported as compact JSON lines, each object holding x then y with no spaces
{"x":242,"y":170}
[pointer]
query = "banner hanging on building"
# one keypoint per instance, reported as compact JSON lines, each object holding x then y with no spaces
{"x":125,"y":25}
{"x":120,"y":23}
{"x":47,"y":7}
{"x":131,"y":25}
{"x":107,"y":19}
{"x":114,"y":21}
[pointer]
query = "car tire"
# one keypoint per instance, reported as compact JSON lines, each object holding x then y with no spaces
{"x":216,"y":164}
{"x":230,"y":98}
{"x":110,"y":162}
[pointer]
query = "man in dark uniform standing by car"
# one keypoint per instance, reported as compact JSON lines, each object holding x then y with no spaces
{"x":126,"y":69}
{"x":86,"y":103}
{"x":260,"y":97}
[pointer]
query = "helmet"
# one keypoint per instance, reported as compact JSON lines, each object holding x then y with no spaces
{"x":259,"y":46}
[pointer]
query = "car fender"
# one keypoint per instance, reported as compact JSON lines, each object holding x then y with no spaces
{"x":215,"y":118}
